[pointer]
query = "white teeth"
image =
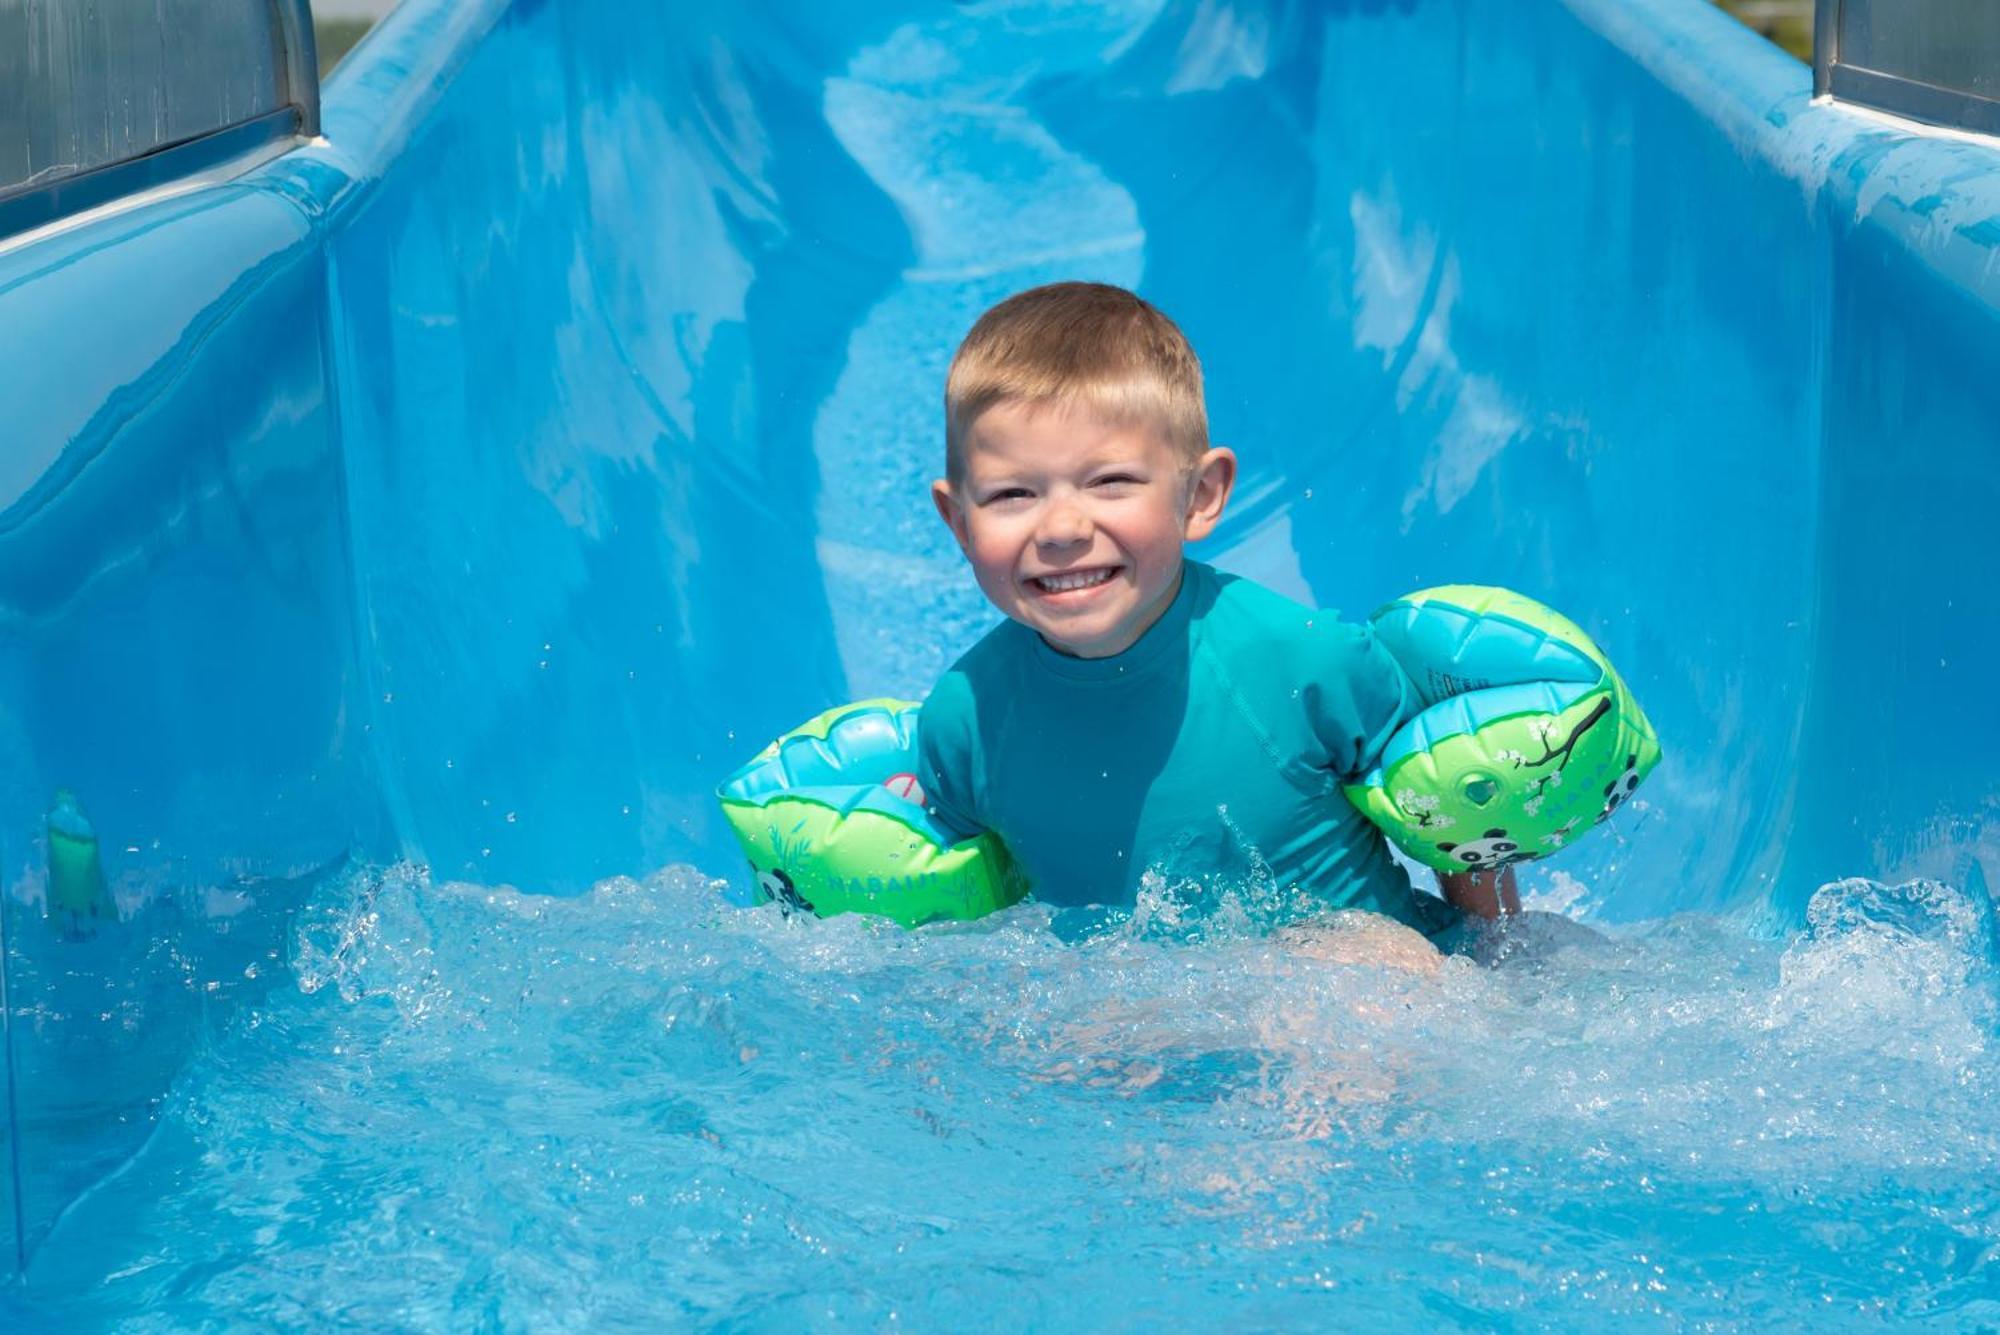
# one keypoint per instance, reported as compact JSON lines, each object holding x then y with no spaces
{"x":1082,"y":579}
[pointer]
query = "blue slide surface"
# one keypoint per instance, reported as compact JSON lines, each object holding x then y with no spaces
{"x":476,"y":485}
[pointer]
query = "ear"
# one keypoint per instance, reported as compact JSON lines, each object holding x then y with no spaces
{"x":1496,"y":834}
{"x":951,"y":511}
{"x":1446,"y":848}
{"x":1208,"y":491}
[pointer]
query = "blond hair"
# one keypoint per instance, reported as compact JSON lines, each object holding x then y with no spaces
{"x":1086,"y":347}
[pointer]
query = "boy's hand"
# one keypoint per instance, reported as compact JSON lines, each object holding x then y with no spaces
{"x":1486,"y":893}
{"x":1353,"y":936}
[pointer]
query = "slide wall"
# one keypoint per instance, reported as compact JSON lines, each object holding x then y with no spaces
{"x":477,"y":484}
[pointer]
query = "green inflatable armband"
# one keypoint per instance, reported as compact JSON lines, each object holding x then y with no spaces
{"x":1527,"y":738}
{"x":833,"y":820}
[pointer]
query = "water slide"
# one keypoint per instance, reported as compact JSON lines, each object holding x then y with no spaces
{"x":473,"y":486}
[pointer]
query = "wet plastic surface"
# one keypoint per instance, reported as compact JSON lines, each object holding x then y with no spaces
{"x":479,"y":485}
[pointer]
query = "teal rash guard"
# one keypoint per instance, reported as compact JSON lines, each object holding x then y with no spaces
{"x":1214,"y":748}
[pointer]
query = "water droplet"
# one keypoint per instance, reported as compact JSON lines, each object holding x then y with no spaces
{"x":512,"y":817}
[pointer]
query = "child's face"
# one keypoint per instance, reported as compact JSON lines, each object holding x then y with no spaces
{"x":1074,"y":527}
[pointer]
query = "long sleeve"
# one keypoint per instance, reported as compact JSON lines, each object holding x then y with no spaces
{"x":1356,"y":695}
{"x":948,"y":755}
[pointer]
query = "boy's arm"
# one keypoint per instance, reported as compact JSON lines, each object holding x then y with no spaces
{"x":1486,"y":893}
{"x":947,"y":756}
{"x":1367,"y":685}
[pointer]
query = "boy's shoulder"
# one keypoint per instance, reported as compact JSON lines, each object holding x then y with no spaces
{"x":977,"y":674}
{"x":1242,"y":616}
{"x":1238,"y":596}
{"x":993,"y":654}
{"x":1286,"y":660}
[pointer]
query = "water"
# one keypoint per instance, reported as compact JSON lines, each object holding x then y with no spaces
{"x":470,"y":1108}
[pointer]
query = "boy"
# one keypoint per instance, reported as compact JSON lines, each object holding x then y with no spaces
{"x":1138,"y":710}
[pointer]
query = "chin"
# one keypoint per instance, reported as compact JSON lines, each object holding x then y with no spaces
{"x":1086,"y":644}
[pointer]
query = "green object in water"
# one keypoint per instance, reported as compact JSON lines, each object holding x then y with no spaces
{"x":832,"y":818}
{"x":1527,"y":738}
{"x":78,"y":899}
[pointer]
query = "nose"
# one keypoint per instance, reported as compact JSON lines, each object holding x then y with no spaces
{"x":1064,"y":524}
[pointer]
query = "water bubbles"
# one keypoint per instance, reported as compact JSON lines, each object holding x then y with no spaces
{"x":1221,"y":1068}
{"x":1959,"y":920}
{"x":1902,"y":971}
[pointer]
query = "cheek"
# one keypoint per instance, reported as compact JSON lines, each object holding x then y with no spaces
{"x":1153,"y":535}
{"x":991,"y":549}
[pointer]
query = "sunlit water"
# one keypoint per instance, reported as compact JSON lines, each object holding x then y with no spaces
{"x":475,"y":1109}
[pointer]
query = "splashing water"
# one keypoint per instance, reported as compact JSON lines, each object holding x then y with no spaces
{"x":478,"y":1108}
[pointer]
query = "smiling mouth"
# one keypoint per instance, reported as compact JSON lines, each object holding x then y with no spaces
{"x":1069,"y":581}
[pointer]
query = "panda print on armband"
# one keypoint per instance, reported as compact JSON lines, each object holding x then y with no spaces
{"x":778,"y":888}
{"x":1493,"y":849}
{"x":1621,"y":787}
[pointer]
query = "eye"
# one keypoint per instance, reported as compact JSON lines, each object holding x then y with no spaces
{"x":1006,"y":494}
{"x":1118,"y":480}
